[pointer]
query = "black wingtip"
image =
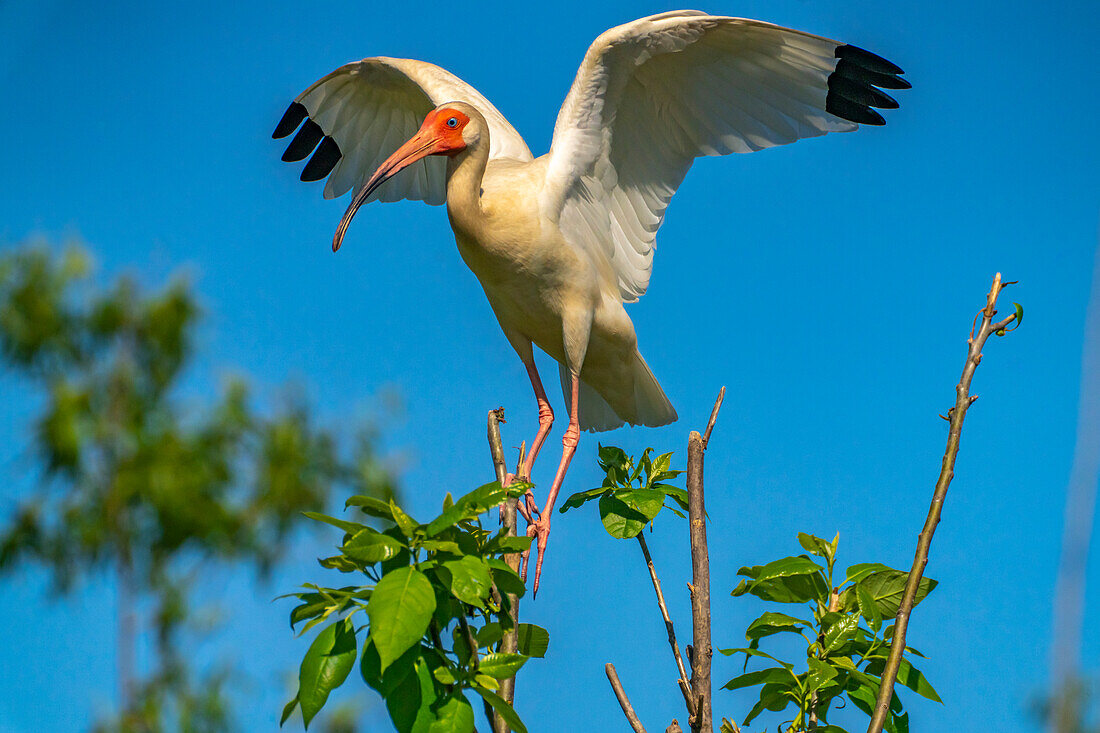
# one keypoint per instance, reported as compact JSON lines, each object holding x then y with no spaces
{"x":293,"y":117}
{"x":304,"y":142}
{"x":323,"y":161}
{"x":867,"y":60}
{"x":852,"y":84}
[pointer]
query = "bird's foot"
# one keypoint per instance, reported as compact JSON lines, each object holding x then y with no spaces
{"x":528,"y":508}
{"x":539,"y":532}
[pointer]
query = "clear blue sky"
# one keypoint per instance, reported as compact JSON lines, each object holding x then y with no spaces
{"x":829,"y":284}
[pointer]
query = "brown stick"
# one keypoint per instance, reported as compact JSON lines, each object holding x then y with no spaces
{"x":624,"y":701}
{"x":713,"y":416}
{"x":701,"y":721}
{"x":689,"y":699}
{"x":510,"y":642}
{"x":963,"y":400}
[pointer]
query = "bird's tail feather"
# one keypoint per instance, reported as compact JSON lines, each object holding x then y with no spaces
{"x":651,"y":407}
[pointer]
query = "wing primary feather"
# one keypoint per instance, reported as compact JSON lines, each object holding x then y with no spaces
{"x":293,"y":117}
{"x":304,"y":142}
{"x":861,"y":93}
{"x":323,"y":161}
{"x":849,"y":110}
{"x":854,"y":71}
{"x":866,"y":59}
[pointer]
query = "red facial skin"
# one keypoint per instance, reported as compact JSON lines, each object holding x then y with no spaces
{"x":435,"y":137}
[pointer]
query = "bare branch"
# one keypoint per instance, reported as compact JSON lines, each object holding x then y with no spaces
{"x":510,"y":642}
{"x":701,"y":722}
{"x":947,"y":471}
{"x":674,"y":727}
{"x":496,"y":447}
{"x":624,"y":701}
{"x":713,"y":416}
{"x":689,"y":699}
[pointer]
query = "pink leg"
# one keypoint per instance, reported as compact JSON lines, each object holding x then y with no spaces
{"x":540,"y":530}
{"x":546,"y":420}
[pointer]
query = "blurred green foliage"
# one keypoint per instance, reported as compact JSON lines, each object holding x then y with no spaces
{"x":133,"y":477}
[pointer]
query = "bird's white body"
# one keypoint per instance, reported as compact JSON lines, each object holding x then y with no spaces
{"x":559,"y":243}
{"x":545,"y":292}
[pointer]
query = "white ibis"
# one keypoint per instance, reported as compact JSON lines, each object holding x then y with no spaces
{"x":561,"y":242}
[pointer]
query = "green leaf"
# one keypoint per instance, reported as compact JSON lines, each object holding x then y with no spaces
{"x":533,"y":640}
{"x":773,"y":623}
{"x":349,"y":527}
{"x":501,"y":666}
{"x":477,"y":502}
{"x":441,"y":546}
{"x":325,"y":667}
{"x":405,"y":523}
{"x":506,"y":579}
{"x":772,"y":697}
{"x":784,"y":567}
{"x":610,"y":456}
{"x":506,"y":544}
{"x":470,"y":581}
{"x":888,"y":586}
{"x":868,"y":608}
{"x":338,"y":562}
{"x":909,"y":676}
{"x":647,"y":502}
{"x":399,"y":609}
{"x":816,"y":546}
{"x":792,"y":588}
{"x":489,"y":634}
{"x":288,"y":710}
{"x":372,"y":506}
{"x":501,"y":705}
{"x":487,"y":682}
{"x":581,"y":497}
{"x":820,"y":674}
{"x":676,"y":494}
{"x":370,"y":546}
{"x":1019,"y":314}
{"x":455,"y":715}
{"x":410,"y":703}
{"x":859,"y":571}
{"x":444,"y":675}
{"x":750,"y":652}
{"x":620,"y":520}
{"x":759,"y":677}
{"x":840,"y":632}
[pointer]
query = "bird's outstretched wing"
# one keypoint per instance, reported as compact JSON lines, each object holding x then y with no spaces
{"x":355,"y":117}
{"x":652,"y":95}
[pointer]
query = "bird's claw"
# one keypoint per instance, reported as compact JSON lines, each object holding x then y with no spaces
{"x":539,"y":532}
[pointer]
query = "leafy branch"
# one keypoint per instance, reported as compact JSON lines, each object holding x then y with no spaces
{"x":439,"y":595}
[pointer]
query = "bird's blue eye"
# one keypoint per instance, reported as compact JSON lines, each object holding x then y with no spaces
{"x":452,"y":122}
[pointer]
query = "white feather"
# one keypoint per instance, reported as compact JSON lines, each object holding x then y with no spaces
{"x":370,"y":107}
{"x":654,"y":94}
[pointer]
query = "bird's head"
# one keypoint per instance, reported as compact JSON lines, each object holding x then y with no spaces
{"x":447,"y":130}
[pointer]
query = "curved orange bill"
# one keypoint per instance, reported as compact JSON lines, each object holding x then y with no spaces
{"x":420,"y":145}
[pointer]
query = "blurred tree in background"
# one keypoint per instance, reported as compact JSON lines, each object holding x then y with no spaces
{"x":134,"y":479}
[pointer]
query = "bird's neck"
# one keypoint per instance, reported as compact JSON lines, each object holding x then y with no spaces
{"x":465,"y":172}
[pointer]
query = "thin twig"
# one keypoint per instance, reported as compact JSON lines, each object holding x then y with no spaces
{"x":624,"y":701}
{"x":689,"y":699}
{"x":963,"y":400}
{"x":713,"y":416}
